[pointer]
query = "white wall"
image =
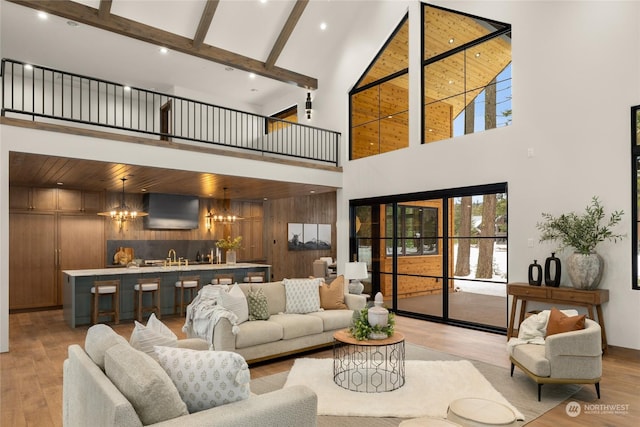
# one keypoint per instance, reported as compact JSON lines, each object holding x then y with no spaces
{"x":576,"y":68}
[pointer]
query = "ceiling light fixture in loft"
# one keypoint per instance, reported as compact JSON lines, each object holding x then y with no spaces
{"x":224,"y":217}
{"x":123,"y":213}
{"x":308,"y":106}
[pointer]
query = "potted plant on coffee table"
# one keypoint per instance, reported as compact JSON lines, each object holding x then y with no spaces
{"x":583,"y":233}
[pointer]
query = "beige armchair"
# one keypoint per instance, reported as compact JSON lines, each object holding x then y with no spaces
{"x":566,"y":358}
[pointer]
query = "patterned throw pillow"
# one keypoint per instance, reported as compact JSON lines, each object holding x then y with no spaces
{"x":206,"y":379}
{"x":143,"y":337}
{"x":303,"y":295}
{"x":235,"y":301}
{"x":258,"y":307}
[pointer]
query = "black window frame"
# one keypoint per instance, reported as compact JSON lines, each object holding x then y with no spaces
{"x":635,"y":197}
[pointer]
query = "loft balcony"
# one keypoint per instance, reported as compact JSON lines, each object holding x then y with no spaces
{"x":45,"y":95}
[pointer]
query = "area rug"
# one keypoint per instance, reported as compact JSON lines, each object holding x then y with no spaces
{"x":429,"y":388}
{"x":519,"y":390}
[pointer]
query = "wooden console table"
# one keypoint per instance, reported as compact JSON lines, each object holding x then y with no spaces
{"x":566,"y":296}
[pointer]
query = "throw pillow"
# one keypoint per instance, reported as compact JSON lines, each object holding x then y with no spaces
{"x":206,"y":379}
{"x":143,"y":337}
{"x":332,"y":295}
{"x":258,"y":306}
{"x":235,"y":301}
{"x":560,"y":322}
{"x":302,"y":295}
{"x":99,"y":339}
{"x":144,"y":383}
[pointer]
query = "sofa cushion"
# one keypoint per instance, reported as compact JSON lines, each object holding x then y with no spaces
{"x":98,"y":340}
{"x":532,"y":357}
{"x":560,"y":322}
{"x":297,"y":325}
{"x":144,"y":338}
{"x":332,"y":294}
{"x":302,"y":295}
{"x":258,"y":305}
{"x":235,"y":301}
{"x":206,"y":379}
{"x":258,"y":332}
{"x":144,"y":383}
{"x":334,"y":319}
{"x":275,"y":294}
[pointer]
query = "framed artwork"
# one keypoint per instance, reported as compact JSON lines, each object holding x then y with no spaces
{"x":324,"y":236}
{"x":308,"y":236}
{"x":294,"y":236}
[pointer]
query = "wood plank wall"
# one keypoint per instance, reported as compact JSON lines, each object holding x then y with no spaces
{"x":312,"y":209}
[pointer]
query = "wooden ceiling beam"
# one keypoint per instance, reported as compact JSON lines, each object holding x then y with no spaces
{"x":205,"y":22}
{"x":126,"y":27}
{"x":288,"y":28}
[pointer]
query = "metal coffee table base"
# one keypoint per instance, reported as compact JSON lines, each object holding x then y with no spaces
{"x":371,"y":366}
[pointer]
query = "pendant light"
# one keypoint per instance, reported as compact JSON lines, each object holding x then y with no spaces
{"x":123,"y":213}
{"x":225,"y":216}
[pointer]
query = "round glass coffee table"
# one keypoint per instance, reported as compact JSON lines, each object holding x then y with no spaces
{"x":370,"y":366}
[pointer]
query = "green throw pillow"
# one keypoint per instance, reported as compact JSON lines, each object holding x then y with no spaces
{"x":258,"y":308}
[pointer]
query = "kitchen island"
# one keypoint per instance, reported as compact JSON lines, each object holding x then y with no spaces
{"x":78,"y":283}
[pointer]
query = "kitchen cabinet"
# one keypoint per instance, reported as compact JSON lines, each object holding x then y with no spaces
{"x":32,"y":260}
{"x":32,"y":198}
{"x":49,"y":232}
{"x":79,"y":201}
{"x":251,"y":230}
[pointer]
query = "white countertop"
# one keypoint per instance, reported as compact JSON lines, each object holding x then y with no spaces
{"x":138,"y":270}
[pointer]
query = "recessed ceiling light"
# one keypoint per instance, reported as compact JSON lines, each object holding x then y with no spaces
{"x":312,"y":191}
{"x":450,"y":82}
{"x":451,"y":40}
{"x":164,"y":50}
{"x":263,"y":1}
{"x":477,"y":54}
{"x":43,"y":15}
{"x":28,"y":67}
{"x":72,"y":23}
{"x":252,"y":76}
{"x":60,"y":183}
{"x":127,"y":88}
{"x":323,"y":26}
{"x":143,"y":190}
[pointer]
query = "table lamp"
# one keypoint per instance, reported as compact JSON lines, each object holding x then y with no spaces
{"x":353,"y":272}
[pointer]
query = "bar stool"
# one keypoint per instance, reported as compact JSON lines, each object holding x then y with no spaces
{"x":105,"y":287}
{"x":187,"y":283}
{"x":151,"y":286}
{"x":255,"y":277}
{"x":223,"y":279}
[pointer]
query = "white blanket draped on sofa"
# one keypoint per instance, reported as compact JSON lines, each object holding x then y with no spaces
{"x":202,"y":316}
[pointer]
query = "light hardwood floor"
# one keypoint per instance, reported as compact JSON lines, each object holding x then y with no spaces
{"x":31,"y":372}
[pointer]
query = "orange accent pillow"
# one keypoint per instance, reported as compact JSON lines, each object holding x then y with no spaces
{"x":332,"y":295}
{"x":560,"y":322}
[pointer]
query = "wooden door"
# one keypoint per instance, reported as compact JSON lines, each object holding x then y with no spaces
{"x":80,"y":244}
{"x":32,"y":261}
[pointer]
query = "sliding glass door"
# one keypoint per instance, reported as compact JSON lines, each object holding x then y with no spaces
{"x":438,"y":255}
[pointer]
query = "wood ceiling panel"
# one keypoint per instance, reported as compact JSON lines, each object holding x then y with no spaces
{"x":46,"y":171}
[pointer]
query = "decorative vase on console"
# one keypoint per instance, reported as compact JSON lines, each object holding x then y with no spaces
{"x":378,"y":316}
{"x":230,"y":256}
{"x":583,"y":233}
{"x":535,"y":273}
{"x":552,"y":263}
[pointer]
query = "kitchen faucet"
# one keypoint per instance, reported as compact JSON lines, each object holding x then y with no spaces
{"x":174,"y":255}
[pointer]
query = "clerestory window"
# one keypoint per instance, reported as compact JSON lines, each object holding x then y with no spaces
{"x":466,"y":74}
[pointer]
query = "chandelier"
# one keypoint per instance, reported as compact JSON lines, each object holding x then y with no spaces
{"x":123,"y":213}
{"x":224,"y":217}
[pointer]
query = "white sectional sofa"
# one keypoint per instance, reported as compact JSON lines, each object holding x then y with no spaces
{"x":92,"y":398}
{"x":283,"y":333}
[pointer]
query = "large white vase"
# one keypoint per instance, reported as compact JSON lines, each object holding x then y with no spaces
{"x":585,"y":271}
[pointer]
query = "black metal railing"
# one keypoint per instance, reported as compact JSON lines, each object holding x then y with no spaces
{"x":44,"y":93}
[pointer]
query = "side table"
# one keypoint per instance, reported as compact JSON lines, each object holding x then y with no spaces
{"x":522,"y":292}
{"x":370,"y":366}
